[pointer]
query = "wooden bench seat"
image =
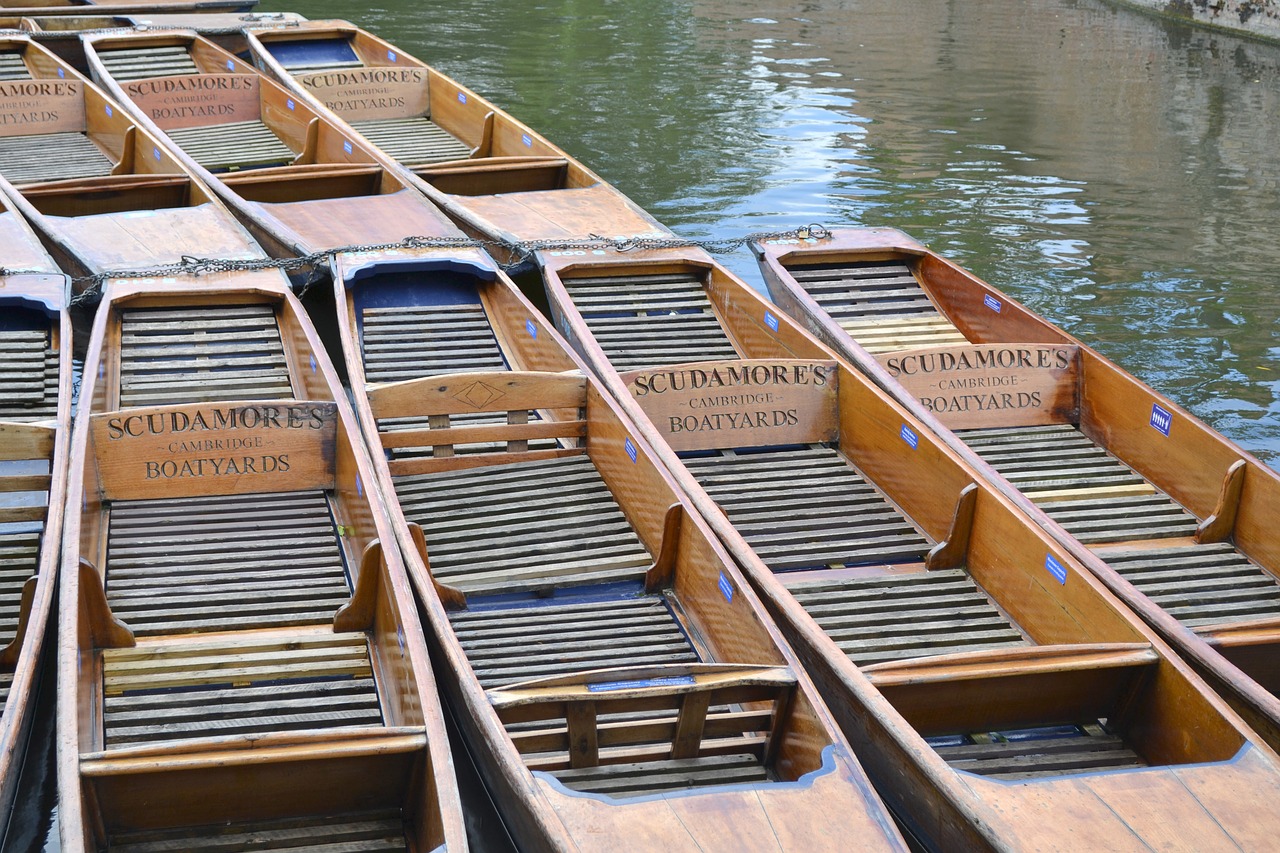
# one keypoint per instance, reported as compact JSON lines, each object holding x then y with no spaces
{"x":376,"y":832}
{"x":235,"y":685}
{"x":880,"y":304}
{"x":425,"y":340}
{"x":1037,"y":753}
{"x":139,"y":63}
{"x":521,"y":526}
{"x":45,"y":157}
{"x":1202,"y":585}
{"x":413,"y":140}
{"x":12,"y":67}
{"x":219,"y":563}
{"x":887,"y":617}
{"x":807,"y":507}
{"x":1094,"y":495}
{"x":233,"y":146}
{"x":228,"y":352}
{"x":650,"y":320}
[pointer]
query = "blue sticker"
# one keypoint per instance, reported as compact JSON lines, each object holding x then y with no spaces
{"x":62,"y":72}
{"x":156,"y":153}
{"x":771,"y":321}
{"x":527,"y":140}
{"x":1055,"y":568}
{"x":1160,"y":419}
{"x":102,"y":369}
{"x":665,"y":681}
{"x":462,"y":97}
{"x":726,"y":588}
{"x":109,"y":112}
{"x":391,"y":55}
{"x":313,"y":363}
{"x":346,"y":146}
{"x":231,"y":65}
{"x":909,"y":436}
{"x":400,"y":638}
{"x":289,"y":103}
{"x":359,"y":486}
{"x":631,"y":449}
{"x":530,"y":328}
{"x":991,"y":302}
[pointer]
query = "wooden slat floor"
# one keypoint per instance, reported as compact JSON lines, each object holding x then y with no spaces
{"x":224,"y":563}
{"x":142,"y":62}
{"x":880,"y":305}
{"x":51,"y":157}
{"x":427,"y":340}
{"x":188,"y":355}
{"x":1091,"y":493}
{"x":650,"y":320}
{"x":880,"y":618}
{"x":413,"y":140}
{"x":12,"y":67}
{"x":808,"y":508}
{"x":233,"y":146}
{"x":28,"y":376}
{"x":378,"y":832}
{"x":523,"y":526}
{"x":1037,"y":754}
{"x":19,"y":560}
{"x":1202,"y":585}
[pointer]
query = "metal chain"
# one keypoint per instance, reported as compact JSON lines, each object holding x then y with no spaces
{"x":520,"y":252}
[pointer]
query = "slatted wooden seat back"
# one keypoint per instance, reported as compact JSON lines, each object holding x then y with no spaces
{"x":230,"y":352}
{"x":413,"y":140}
{"x":42,"y":157}
{"x":650,"y":320}
{"x":806,"y":508}
{"x":25,"y":480}
{"x":630,"y":731}
{"x":28,"y":375}
{"x":12,"y":67}
{"x":1091,"y":493}
{"x":141,"y":63}
{"x":880,"y":304}
{"x":406,"y":342}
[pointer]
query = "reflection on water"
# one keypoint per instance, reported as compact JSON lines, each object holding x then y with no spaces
{"x":1116,"y":172}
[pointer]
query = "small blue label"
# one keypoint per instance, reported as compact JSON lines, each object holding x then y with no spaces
{"x":109,"y":112}
{"x":631,"y":449}
{"x":530,"y":328}
{"x":991,"y":302}
{"x":1055,"y":568}
{"x":1160,"y":419}
{"x":462,"y":97}
{"x":726,"y":588}
{"x":289,"y":103}
{"x":771,"y":321}
{"x":909,"y":436}
{"x":346,"y":146}
{"x":527,"y":140}
{"x":313,"y":364}
{"x":231,"y":65}
{"x":391,"y":55}
{"x":359,"y":486}
{"x":667,"y":681}
{"x":155,"y":152}
{"x":62,"y":72}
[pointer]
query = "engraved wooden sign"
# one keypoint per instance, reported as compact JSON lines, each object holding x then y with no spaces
{"x":368,"y":93}
{"x":193,"y":100}
{"x":29,"y":107}
{"x":215,"y":448}
{"x":754,"y":403}
{"x":982,"y":385}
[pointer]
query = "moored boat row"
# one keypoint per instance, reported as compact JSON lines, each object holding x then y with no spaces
{"x":587,"y":545}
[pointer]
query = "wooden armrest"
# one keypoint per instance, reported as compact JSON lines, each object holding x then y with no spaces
{"x":1219,"y":526}
{"x":952,"y":552}
{"x":9,"y":655}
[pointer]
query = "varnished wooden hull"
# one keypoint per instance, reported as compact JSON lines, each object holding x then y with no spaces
{"x":35,"y":433}
{"x":1232,"y":639}
{"x":449,"y":315}
{"x":252,"y":665}
{"x":495,"y":176}
{"x":917,"y":691}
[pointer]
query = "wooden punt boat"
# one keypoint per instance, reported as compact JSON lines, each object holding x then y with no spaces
{"x":35,"y":431}
{"x":241,"y":661}
{"x":1000,"y":696}
{"x":494,"y":175}
{"x":61,"y":33}
{"x":103,"y":193}
{"x":1177,"y":520}
{"x":298,"y":181}
{"x":15,"y":9}
{"x":617,"y":679}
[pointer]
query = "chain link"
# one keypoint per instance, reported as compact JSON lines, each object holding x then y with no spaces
{"x":519,"y":253}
